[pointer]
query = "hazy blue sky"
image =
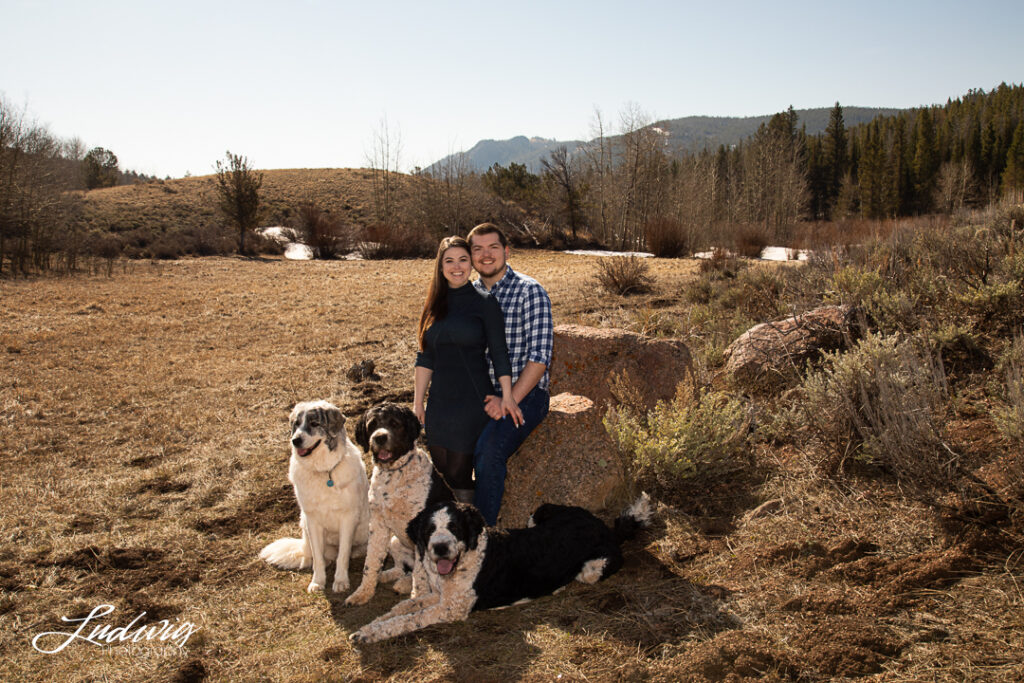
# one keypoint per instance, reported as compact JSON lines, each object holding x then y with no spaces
{"x":169,"y":86}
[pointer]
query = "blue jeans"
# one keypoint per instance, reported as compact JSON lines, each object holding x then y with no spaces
{"x":499,"y":440}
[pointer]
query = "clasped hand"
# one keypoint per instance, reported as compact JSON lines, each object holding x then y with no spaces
{"x":498,"y":407}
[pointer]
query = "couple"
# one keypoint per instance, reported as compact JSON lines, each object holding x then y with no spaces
{"x":485,"y":348}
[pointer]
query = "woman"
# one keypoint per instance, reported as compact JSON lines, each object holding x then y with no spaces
{"x":458,"y":325}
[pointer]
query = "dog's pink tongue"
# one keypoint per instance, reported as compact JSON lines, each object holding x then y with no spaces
{"x":444,"y":567}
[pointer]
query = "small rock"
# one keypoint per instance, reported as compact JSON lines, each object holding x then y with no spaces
{"x":363,"y":371}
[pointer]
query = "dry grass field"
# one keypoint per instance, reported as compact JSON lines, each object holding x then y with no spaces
{"x":143,"y":457}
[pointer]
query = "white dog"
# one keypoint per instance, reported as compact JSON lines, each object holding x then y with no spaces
{"x":330,"y":483}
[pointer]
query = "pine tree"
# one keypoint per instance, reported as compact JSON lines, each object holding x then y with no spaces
{"x":926,"y":160}
{"x":872,"y":180}
{"x":835,"y":153}
{"x":238,"y":194}
{"x":1013,"y":174}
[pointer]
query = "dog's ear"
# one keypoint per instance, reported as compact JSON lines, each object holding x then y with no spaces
{"x":412,"y":424}
{"x":334,"y":425}
{"x":475,"y":524}
{"x":335,"y":420}
{"x":362,"y":437}
{"x":417,"y":531}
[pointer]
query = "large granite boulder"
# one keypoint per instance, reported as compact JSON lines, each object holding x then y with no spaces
{"x":587,"y":358}
{"x":773,"y":354}
{"x":570,"y":459}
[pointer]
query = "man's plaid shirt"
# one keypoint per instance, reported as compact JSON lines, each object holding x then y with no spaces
{"x":529,"y":330}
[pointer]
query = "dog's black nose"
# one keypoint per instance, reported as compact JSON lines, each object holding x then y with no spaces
{"x":380,"y":439}
{"x":297,"y":442}
{"x":441,"y":549}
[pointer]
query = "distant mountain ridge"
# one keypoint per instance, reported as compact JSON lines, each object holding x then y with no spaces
{"x":690,"y":133}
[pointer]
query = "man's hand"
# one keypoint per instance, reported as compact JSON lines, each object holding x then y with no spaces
{"x":492,"y":406}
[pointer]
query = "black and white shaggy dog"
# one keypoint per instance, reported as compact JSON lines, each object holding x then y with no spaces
{"x":469,"y":566}
{"x":330,"y":483}
{"x":404,"y":483}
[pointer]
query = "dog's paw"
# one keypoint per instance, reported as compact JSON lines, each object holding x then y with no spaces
{"x":314,"y":587}
{"x":360,"y":597}
{"x":403,"y":585}
{"x":340,"y":584}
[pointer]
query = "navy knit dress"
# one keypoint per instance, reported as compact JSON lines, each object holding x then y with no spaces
{"x":455,"y":348}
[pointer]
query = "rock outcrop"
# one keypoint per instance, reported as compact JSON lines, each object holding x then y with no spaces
{"x":773,"y":354}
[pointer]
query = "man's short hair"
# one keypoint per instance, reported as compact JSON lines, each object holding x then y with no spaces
{"x":487,"y":229}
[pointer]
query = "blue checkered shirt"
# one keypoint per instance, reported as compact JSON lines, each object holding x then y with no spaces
{"x":529,"y":330}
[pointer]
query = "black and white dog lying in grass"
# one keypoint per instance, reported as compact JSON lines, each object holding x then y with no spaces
{"x":404,"y":483}
{"x":469,"y":566}
{"x":330,"y":484}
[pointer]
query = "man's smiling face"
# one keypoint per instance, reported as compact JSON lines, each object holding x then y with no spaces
{"x":489,"y":256}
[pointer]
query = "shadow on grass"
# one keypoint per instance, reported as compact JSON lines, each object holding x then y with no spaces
{"x":636,"y":612}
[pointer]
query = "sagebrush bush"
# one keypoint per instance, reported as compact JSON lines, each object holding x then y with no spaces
{"x":880,"y":403}
{"x":1009,"y":416}
{"x":890,"y":309}
{"x":721,"y":265}
{"x":699,"y":434}
{"x":624,"y":275}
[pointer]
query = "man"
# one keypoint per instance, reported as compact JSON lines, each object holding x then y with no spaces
{"x":529,"y":333}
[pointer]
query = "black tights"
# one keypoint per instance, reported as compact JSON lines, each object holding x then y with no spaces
{"x":456,"y":468}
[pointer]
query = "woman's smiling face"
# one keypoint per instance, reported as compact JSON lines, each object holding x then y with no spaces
{"x":455,"y":266}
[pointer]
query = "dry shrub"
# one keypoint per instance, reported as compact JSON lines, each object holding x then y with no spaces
{"x":825,"y":235}
{"x":1009,"y":417}
{"x":880,"y":403}
{"x":668,"y":238}
{"x":966,"y":254}
{"x":700,"y":434}
{"x":322,"y":232}
{"x":750,"y":239}
{"x":383,"y":241}
{"x":624,"y":275}
{"x":722,"y":264}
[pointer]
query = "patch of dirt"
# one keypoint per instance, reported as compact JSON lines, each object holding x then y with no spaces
{"x":191,"y":671}
{"x":896,"y":580}
{"x":122,"y":571}
{"x":265,"y":510}
{"x":162,"y":485}
{"x":846,"y":647}
{"x":143,"y":460}
{"x":367,"y":394}
{"x":738,"y":656}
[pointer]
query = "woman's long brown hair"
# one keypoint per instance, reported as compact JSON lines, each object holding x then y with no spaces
{"x":436,"y":305}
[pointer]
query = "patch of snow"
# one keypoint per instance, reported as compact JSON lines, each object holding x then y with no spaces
{"x":598,"y":252}
{"x":278,"y":233}
{"x":783,"y":254}
{"x":767,"y":254}
{"x":298,"y":252}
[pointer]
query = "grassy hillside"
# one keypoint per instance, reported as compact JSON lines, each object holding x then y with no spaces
{"x":190,"y":204}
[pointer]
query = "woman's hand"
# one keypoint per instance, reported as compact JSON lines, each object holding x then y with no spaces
{"x":421,"y":414}
{"x":511,"y":408}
